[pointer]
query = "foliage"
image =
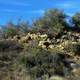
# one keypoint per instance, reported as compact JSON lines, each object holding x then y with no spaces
{"x":20,"y":53}
{"x":9,"y":46}
{"x":73,"y":48}
{"x":76,"y":20}
{"x":23,"y":27}
{"x":53,"y":21}
{"x":10,"y":30}
{"x":40,"y":62}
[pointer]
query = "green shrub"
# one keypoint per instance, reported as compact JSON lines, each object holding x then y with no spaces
{"x":52,"y":22}
{"x":40,"y":62}
{"x":73,"y":48}
{"x":10,"y":32}
{"x":76,"y":49}
{"x":8,"y":45}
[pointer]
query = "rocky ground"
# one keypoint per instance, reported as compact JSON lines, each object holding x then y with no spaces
{"x":40,"y":57}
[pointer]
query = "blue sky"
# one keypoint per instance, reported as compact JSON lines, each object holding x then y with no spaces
{"x":29,"y":10}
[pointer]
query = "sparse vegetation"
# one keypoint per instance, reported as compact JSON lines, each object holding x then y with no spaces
{"x":46,"y":51}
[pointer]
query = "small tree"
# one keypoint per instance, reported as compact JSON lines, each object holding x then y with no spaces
{"x":53,"y":20}
{"x":76,"y":20}
{"x":23,"y":27}
{"x":10,"y":30}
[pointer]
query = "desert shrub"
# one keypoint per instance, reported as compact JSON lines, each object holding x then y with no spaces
{"x":76,"y":49}
{"x":23,"y":27}
{"x":9,"y":32}
{"x":73,"y":48}
{"x":8,"y":45}
{"x":68,"y":47}
{"x":52,"y":22}
{"x":9,"y":60}
{"x":40,"y":62}
{"x":76,"y":21}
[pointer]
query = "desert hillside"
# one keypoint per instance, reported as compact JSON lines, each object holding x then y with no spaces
{"x":47,"y":50}
{"x":36,"y":56}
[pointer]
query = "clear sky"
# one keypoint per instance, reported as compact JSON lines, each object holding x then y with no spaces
{"x":29,"y":10}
